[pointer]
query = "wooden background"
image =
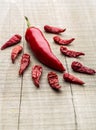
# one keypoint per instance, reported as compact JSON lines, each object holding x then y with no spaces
{"x":22,"y":105}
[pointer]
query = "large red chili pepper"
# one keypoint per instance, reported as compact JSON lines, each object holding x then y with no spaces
{"x":12,"y":41}
{"x":36,"y":74}
{"x":53,"y":80}
{"x":52,"y":29}
{"x":78,"y":67}
{"x":41,"y":48}
{"x":25,"y":61}
{"x":15,"y":51}
{"x":70,"y":53}
{"x":72,"y":79}
{"x":60,"y":41}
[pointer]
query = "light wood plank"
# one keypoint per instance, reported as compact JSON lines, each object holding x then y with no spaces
{"x":84,"y":98}
{"x":10,"y":83}
{"x":44,"y":108}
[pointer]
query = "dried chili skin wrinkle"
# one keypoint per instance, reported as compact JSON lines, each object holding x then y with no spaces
{"x":70,"y":53}
{"x":41,"y":48}
{"x":60,"y":41}
{"x":78,"y":67}
{"x":53,"y":80}
{"x":12,"y":41}
{"x":36,"y":74}
{"x":72,"y":79}
{"x":15,"y":52}
{"x":55,"y":30}
{"x":25,"y":61}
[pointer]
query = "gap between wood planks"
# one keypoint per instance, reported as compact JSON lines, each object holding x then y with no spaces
{"x":21,"y":90}
{"x":75,"y":115}
{"x":20,"y":102}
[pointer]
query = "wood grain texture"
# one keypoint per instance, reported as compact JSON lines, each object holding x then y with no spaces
{"x":22,"y":105}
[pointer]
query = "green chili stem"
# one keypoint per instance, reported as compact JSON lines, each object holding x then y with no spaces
{"x":28,"y":23}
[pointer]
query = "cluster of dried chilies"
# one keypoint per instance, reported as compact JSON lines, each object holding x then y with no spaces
{"x":42,"y":51}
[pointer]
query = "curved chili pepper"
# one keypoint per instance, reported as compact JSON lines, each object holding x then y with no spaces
{"x":15,"y":51}
{"x":52,"y":29}
{"x":41,"y":48}
{"x":60,"y":41}
{"x":72,"y":79}
{"x":70,"y":53}
{"x":12,"y":41}
{"x":53,"y":80}
{"x":25,"y":61}
{"x":78,"y":67}
{"x":36,"y":74}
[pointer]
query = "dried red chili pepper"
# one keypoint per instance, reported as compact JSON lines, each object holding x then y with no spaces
{"x":52,"y":29}
{"x":36,"y":74}
{"x":12,"y":41}
{"x":41,"y":48}
{"x":53,"y":80}
{"x":72,"y":79}
{"x":25,"y":61}
{"x":60,"y":41}
{"x":78,"y":67}
{"x":15,"y":51}
{"x":70,"y":53}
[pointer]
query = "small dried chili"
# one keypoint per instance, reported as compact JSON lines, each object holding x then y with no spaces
{"x":72,"y":79}
{"x":60,"y":41}
{"x":25,"y":61}
{"x":53,"y":80}
{"x":70,"y":53}
{"x":15,"y":51}
{"x":78,"y":67}
{"x":52,"y":29}
{"x":12,"y":41}
{"x":36,"y":74}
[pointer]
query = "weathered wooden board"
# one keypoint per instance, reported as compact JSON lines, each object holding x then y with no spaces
{"x":22,"y":105}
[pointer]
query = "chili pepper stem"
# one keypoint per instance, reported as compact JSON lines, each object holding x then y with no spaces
{"x":27,"y":20}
